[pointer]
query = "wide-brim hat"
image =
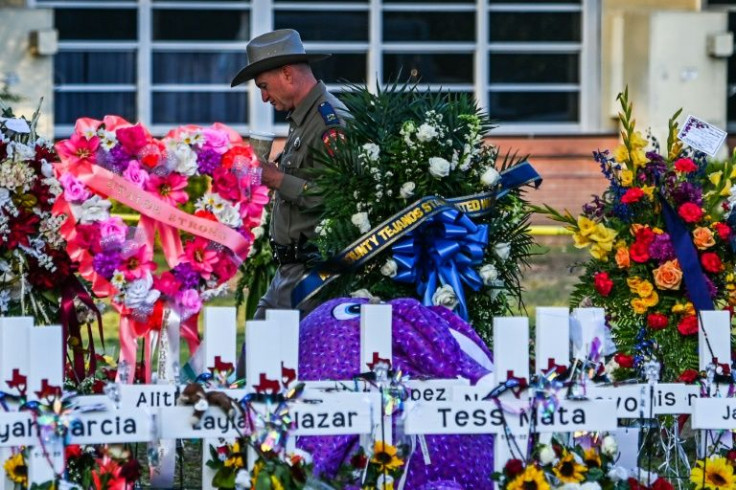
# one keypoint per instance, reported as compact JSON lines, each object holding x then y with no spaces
{"x":273,"y":50}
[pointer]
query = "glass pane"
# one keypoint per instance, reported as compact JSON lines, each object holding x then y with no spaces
{"x":94,"y":67}
{"x":349,"y":67}
{"x":69,"y":106}
{"x":535,"y":26}
{"x":200,"y":107}
{"x":534,"y":106}
{"x":532,"y":2}
{"x":197,"y":67}
{"x":324,"y":26}
{"x":534,"y":68}
{"x":461,"y":2}
{"x":428,"y":26}
{"x":206,"y":25}
{"x":428,"y":68}
{"x":98,"y":24}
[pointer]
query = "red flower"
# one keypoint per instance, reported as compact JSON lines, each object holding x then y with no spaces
{"x":639,"y":252}
{"x":711,"y":262}
{"x":603,"y":284}
{"x":205,"y":214}
{"x":359,"y":460}
{"x":662,"y":484}
{"x":623,"y":360}
{"x":634,"y":484}
{"x":690,"y":212}
{"x":731,"y":455}
{"x":656,"y":321}
{"x":72,"y":451}
{"x":98,"y":387}
{"x":688,"y":325}
{"x":231,"y":156}
{"x":644,"y":235}
{"x":21,"y":228}
{"x":685,"y":165}
{"x":688,"y":376}
{"x":723,"y":230}
{"x":513,"y":467}
{"x":131,"y":471}
{"x":632,"y":195}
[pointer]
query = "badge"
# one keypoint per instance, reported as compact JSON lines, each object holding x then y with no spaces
{"x":297,"y":143}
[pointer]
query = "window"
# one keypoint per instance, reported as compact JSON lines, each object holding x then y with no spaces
{"x":170,"y":62}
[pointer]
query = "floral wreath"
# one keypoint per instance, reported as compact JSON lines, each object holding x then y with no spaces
{"x":209,"y":170}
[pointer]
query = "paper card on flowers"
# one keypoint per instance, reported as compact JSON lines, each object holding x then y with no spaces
{"x":701,"y":135}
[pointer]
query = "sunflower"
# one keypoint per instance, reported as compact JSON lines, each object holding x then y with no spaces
{"x":591,"y":458}
{"x":16,"y":468}
{"x":568,"y":470}
{"x":716,"y":473}
{"x":384,"y":455}
{"x":531,"y":479}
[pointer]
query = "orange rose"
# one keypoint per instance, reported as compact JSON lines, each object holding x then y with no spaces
{"x":622,"y":258}
{"x":668,"y":275}
{"x":703,"y":238}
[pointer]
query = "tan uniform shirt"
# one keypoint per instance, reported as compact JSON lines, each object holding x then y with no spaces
{"x":315,"y":116}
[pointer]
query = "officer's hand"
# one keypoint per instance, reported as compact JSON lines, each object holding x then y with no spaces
{"x":271,"y":176}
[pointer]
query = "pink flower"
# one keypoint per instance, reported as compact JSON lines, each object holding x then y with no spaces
{"x":132,"y":138}
{"x":136,"y":263}
{"x":170,"y":188}
{"x":216,"y":140}
{"x":189,"y":301}
{"x":78,"y":149}
{"x":113,"y":227}
{"x":232,"y":135}
{"x":135,"y":174}
{"x":200,"y":257}
{"x":225,"y":183}
{"x":74,"y":189}
{"x":167,"y":284}
{"x":225,"y":269}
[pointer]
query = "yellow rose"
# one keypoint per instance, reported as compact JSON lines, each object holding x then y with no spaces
{"x":637,"y":140}
{"x":638,"y":305}
{"x":703,"y":238}
{"x":668,"y":275}
{"x":622,"y":258}
{"x":585,"y":225}
{"x":651,"y":300}
{"x":627,"y":177}
{"x":621,"y":153}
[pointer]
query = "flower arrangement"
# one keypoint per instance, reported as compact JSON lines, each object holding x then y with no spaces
{"x":34,"y":265}
{"x":406,"y":163}
{"x":105,"y":372}
{"x":715,"y":471}
{"x":101,"y":467}
{"x":660,"y":247}
{"x":381,"y":469}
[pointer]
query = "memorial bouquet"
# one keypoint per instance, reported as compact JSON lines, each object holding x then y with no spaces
{"x":415,"y":204}
{"x":660,"y":244}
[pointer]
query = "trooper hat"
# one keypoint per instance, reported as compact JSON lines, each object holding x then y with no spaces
{"x":272,"y":50}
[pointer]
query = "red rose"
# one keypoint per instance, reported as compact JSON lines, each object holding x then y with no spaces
{"x":731,"y":455}
{"x":688,"y":325}
{"x":72,"y":451}
{"x":656,"y":321}
{"x":602,"y":283}
{"x":513,"y":467}
{"x":359,"y":460}
{"x":623,"y":360}
{"x":634,"y":484}
{"x":98,"y":387}
{"x":724,"y":232}
{"x":639,"y":252}
{"x":690,"y":212}
{"x":231,"y":156}
{"x":711,"y":262}
{"x":632,"y":195}
{"x":688,"y":376}
{"x":685,"y":165}
{"x":662,"y":484}
{"x":644,"y":235}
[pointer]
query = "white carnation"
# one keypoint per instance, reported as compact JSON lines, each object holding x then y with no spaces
{"x":361,"y":221}
{"x":94,"y":209}
{"x":503,"y":250}
{"x":139,"y":292}
{"x":488,"y":274}
{"x":445,"y":296}
{"x":407,"y":190}
{"x":229,"y":215}
{"x":371,"y":151}
{"x":439,"y":167}
{"x":490,"y":177}
{"x":426,"y":133}
{"x":546,"y":455}
{"x":186,"y":160}
{"x":390,"y":268}
{"x":609,"y":446}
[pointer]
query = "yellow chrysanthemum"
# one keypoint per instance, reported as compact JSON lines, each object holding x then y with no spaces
{"x":636,"y":140}
{"x":568,"y":470}
{"x":531,"y":479}
{"x":384,"y":455}
{"x":651,"y":300}
{"x":16,"y":469}
{"x":621,"y":154}
{"x":715,"y":474}
{"x":592,"y":458}
{"x":639,"y":306}
{"x":627,"y":178}
{"x":586,"y":226}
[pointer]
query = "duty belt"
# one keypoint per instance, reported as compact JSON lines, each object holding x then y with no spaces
{"x":293,"y":253}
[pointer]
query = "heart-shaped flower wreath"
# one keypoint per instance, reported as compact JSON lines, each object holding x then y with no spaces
{"x":113,"y":159}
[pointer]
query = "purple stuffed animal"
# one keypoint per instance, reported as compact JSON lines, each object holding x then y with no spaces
{"x":429,"y":342}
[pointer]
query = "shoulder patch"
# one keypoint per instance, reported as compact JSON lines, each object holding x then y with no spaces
{"x":328,"y":114}
{"x":330,"y":139}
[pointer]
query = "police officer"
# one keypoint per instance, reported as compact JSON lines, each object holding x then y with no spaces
{"x":280,"y":67}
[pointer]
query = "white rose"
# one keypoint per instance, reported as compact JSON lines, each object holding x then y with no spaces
{"x":186,"y":160}
{"x":229,"y":215}
{"x":503,"y":250}
{"x":490,"y":177}
{"x":426,"y":133}
{"x":445,"y":296}
{"x":390,"y":268}
{"x":546,"y":455}
{"x":407,"y":190}
{"x":439,"y":167}
{"x":618,"y":473}
{"x":590,"y":485}
{"x":95,"y":209}
{"x":361,"y":221}
{"x":139,"y":292}
{"x":257,"y":232}
{"x":609,"y":446}
{"x":371,"y":151}
{"x":488,"y":273}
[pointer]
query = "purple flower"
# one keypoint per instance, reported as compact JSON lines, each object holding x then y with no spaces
{"x":687,"y":192}
{"x":208,"y":160}
{"x":105,"y":263}
{"x":118,"y":159}
{"x":188,"y":277}
{"x":661,"y":248}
